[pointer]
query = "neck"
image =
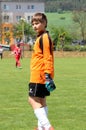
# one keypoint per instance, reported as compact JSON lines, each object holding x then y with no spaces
{"x":42,"y":32}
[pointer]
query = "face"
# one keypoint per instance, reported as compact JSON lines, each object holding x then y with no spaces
{"x":38,"y":26}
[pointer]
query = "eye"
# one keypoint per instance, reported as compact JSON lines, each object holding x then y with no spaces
{"x":36,"y":23}
{"x":32,"y":24}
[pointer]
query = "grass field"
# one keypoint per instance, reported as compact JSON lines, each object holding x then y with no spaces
{"x":60,"y":20}
{"x":67,"y":104}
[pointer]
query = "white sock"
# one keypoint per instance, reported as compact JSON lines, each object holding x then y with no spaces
{"x":42,"y":117}
{"x":46,"y":110}
{"x":39,"y":124}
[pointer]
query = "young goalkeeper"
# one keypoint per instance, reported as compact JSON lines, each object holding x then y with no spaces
{"x":42,"y":72}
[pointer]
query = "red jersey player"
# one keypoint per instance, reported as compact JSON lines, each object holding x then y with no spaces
{"x":17,"y":53}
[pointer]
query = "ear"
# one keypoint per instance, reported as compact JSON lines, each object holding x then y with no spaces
{"x":45,"y":24}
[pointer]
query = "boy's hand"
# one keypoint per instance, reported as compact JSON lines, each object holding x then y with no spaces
{"x":49,"y":84}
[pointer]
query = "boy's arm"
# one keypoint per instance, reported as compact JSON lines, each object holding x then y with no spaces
{"x":47,"y":56}
{"x":48,"y":63}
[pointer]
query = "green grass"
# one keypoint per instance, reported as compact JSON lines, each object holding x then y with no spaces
{"x":67,"y":104}
{"x":54,"y":19}
{"x":65,"y":21}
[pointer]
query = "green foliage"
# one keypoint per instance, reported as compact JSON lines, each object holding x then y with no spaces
{"x":71,"y":48}
{"x":79,"y":17}
{"x":82,"y":48}
{"x":56,"y":34}
{"x":28,"y":31}
{"x":62,"y":18}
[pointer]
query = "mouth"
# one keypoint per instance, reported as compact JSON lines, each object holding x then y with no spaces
{"x":36,"y":30}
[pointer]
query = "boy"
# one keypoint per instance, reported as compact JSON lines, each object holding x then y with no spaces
{"x":1,"y":52}
{"x":42,"y":72}
{"x":17,"y":53}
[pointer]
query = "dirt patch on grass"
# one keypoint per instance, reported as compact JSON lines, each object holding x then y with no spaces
{"x":27,"y":54}
{"x":69,"y":54}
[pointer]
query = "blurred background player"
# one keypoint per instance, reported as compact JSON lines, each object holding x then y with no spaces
{"x":1,"y":52}
{"x":17,"y":53}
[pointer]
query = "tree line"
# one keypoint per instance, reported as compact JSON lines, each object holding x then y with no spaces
{"x":64,"y":5}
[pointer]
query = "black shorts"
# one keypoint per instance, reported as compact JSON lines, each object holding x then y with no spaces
{"x":38,"y":90}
